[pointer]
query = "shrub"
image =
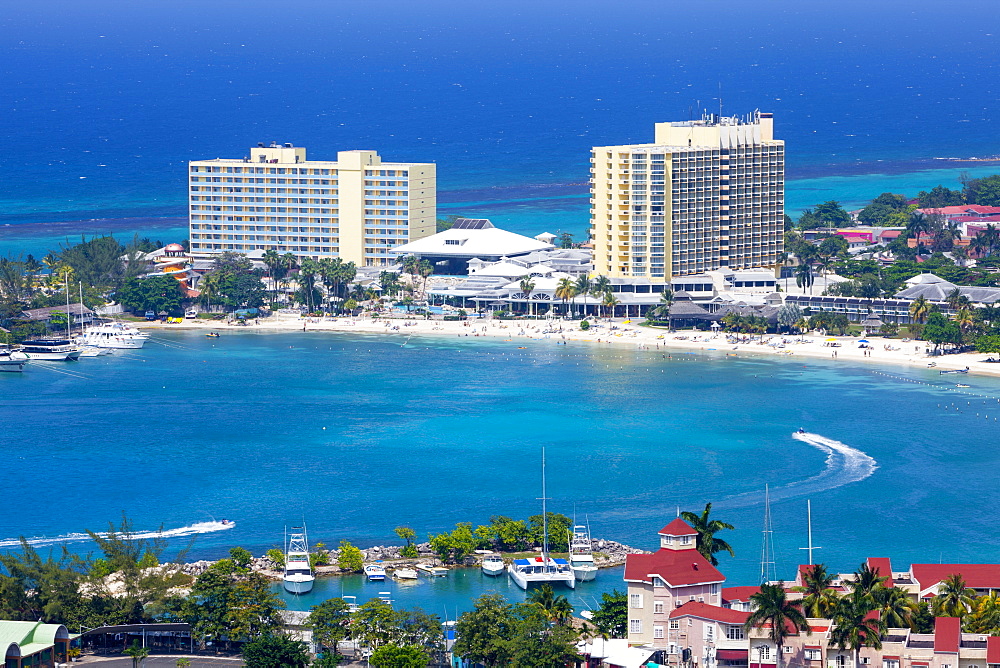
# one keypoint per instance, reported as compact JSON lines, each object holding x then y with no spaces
{"x":584,"y":325}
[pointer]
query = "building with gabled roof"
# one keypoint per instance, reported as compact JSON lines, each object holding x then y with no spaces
{"x":663,"y":581}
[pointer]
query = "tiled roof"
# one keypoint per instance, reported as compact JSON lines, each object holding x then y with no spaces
{"x":947,"y":633}
{"x":977,"y":576}
{"x":675,"y":567}
{"x":739,"y":593}
{"x":712,"y":612}
{"x":678,"y":528}
{"x":881,"y":565}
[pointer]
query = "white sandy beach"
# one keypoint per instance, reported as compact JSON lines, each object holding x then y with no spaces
{"x":619,"y":333}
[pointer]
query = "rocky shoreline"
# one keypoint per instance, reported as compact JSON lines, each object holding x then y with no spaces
{"x":607,"y":554}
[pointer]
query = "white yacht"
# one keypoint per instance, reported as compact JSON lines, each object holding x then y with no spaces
{"x":52,"y":350}
{"x":493,"y":564}
{"x":375,"y":572}
{"x":404,"y":573}
{"x":12,"y":360}
{"x":298,"y":577}
{"x":114,"y":335}
{"x":543,"y":569}
{"x":581,"y":554}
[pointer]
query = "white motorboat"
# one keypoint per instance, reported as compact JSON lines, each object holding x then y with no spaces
{"x":404,"y":574}
{"x":12,"y":360}
{"x":581,"y":554}
{"x":437,"y":571}
{"x":94,"y":351}
{"x":543,"y":569}
{"x":114,"y":335}
{"x":298,"y":577}
{"x":375,"y":572}
{"x":52,"y":350}
{"x":539,"y":571}
{"x":493,"y":564}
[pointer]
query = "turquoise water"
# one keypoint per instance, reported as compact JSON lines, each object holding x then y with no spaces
{"x":358,"y":434}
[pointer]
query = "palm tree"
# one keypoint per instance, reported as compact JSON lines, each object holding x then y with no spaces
{"x":556,"y":607}
{"x":527,"y":285}
{"x":600,"y":286}
{"x":985,"y":615}
{"x":208,"y":286}
{"x":708,"y":544}
{"x":425,"y":269}
{"x":819,"y":597}
{"x":583,"y":288}
{"x":866,"y":581}
{"x":917,"y":225}
{"x":289,"y":263}
{"x":610,"y":302}
{"x":804,"y":276}
{"x":854,"y":625}
{"x":964,"y":319}
{"x":666,"y":301}
{"x":307,"y":279}
{"x":782,"y":617}
{"x":565,"y":291}
{"x":953,"y":599}
{"x":952,"y":299}
{"x":895,"y":607}
{"x":272,"y":260}
{"x":919,"y":309}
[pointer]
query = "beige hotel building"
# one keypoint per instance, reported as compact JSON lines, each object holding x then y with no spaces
{"x":705,"y":195}
{"x":357,"y":208}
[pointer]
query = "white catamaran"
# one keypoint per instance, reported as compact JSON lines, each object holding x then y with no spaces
{"x":581,"y":554}
{"x":543,"y":569}
{"x":298,"y":578}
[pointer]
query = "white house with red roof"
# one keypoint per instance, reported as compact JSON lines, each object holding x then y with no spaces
{"x":708,"y":635}
{"x":663,"y":581}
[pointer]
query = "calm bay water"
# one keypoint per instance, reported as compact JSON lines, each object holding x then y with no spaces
{"x":358,"y":434}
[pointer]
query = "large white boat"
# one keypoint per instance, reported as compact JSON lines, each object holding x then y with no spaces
{"x":12,"y":360}
{"x":375,"y":572}
{"x":581,"y":554}
{"x":52,"y":350}
{"x":404,"y":573}
{"x":493,"y":564}
{"x":114,"y":335}
{"x":543,"y":569}
{"x":298,"y":577}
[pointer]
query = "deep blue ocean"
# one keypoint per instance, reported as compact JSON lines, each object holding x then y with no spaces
{"x":105,"y":101}
{"x":358,"y":434}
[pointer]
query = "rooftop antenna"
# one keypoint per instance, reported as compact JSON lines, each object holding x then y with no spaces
{"x":767,"y":548}
{"x":809,"y":519}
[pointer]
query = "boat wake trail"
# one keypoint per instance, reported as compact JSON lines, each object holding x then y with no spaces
{"x":844,"y":465}
{"x":190,"y":530}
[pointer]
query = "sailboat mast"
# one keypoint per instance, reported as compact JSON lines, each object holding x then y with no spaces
{"x":809,"y":519}
{"x":545,"y":519}
{"x":69,"y":327}
{"x":767,"y":547}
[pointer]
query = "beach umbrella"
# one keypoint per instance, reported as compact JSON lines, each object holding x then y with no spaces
{"x":863,"y":341}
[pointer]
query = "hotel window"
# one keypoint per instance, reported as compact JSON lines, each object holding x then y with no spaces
{"x":658,"y":607}
{"x":840,"y":661}
{"x":894,"y":663}
{"x":734,"y":632}
{"x":675,"y":625}
{"x":763,"y":652}
{"x":635,"y":626}
{"x":685,"y":540}
{"x":658,"y":632}
{"x":812,"y":655}
{"x":635,"y":600}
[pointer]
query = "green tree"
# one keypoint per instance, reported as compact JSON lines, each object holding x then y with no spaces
{"x":939,"y":197}
{"x":155,"y":293}
{"x":772,"y":610}
{"x":374,"y":624}
{"x":565,"y":291}
{"x":275,"y":651}
{"x":984,"y":616}
{"x":559,"y":526}
{"x":556,"y":606}
{"x":350,"y":558}
{"x":953,"y":599}
{"x":832,"y":214}
{"x":330,"y":622}
{"x":919,"y":309}
{"x":819,"y":599}
{"x":985,"y":191}
{"x":396,"y":656}
{"x":833,"y":245}
{"x":534,"y":642}
{"x":565,"y":240}
{"x":882,"y":208}
{"x":708,"y":544}
{"x":276,"y":556}
{"x":406,"y":533}
{"x":611,"y":617}
{"x":853,"y":625}
{"x":804,"y":276}
{"x":138,"y":653}
{"x":482,"y":631}
{"x":896,"y":610}
{"x":527,"y":287}
{"x":940,"y":330}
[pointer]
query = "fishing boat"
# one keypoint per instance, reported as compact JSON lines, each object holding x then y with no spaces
{"x":375,"y":572}
{"x":212,"y":335}
{"x":12,"y":360}
{"x":436,"y":571}
{"x":493,"y":564}
{"x":581,"y":554}
{"x":52,"y":350}
{"x":404,"y":574}
{"x":114,"y":335}
{"x":543,"y":569}
{"x":965,"y":370}
{"x":298,"y":577}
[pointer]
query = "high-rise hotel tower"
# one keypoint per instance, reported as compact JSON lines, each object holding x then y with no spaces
{"x":705,"y":195}
{"x":357,"y":208}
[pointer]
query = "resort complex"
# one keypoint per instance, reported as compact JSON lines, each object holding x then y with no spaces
{"x":705,"y":195}
{"x":356,"y":208}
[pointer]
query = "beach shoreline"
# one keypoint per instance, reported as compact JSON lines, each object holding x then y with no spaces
{"x":618,"y":333}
